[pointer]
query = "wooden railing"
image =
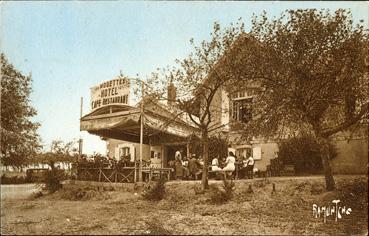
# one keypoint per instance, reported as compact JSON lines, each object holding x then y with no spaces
{"x":119,"y":174}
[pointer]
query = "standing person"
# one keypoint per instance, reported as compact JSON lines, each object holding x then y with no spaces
{"x":178,"y":165}
{"x":238,"y":166}
{"x":250,"y":167}
{"x":243,"y":171}
{"x":186,"y":172}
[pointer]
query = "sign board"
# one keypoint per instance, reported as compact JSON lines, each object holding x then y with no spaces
{"x":112,"y":92}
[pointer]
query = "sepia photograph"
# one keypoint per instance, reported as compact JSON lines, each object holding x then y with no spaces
{"x":184,"y":117}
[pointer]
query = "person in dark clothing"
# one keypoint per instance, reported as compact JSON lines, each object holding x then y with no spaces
{"x":250,"y":167}
{"x":194,"y":167}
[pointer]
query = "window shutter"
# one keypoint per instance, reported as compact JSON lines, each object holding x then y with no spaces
{"x":256,"y":153}
{"x":116,"y":153}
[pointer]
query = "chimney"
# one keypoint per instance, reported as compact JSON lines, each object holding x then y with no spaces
{"x":172,"y":93}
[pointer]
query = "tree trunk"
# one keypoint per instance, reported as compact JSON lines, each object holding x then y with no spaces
{"x":205,"y":153}
{"x":324,"y":152}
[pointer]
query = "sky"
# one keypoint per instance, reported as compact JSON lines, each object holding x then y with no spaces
{"x":70,"y":46}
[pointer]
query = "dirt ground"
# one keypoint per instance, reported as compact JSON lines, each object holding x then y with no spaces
{"x":287,"y":212}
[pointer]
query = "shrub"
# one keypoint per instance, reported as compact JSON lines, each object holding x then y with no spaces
{"x":218,"y":146}
{"x":75,"y":193}
{"x":52,"y":178}
{"x":156,"y":191}
{"x":222,"y":194}
{"x":304,"y":153}
{"x":13,"y":179}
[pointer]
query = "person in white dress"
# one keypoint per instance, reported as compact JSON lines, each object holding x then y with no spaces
{"x":230,"y":163}
{"x":215,"y":165}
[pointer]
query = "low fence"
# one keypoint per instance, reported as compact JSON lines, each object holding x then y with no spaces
{"x":120,"y":174}
{"x":112,"y":175}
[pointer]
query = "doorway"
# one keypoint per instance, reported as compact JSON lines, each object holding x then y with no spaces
{"x":171,"y":150}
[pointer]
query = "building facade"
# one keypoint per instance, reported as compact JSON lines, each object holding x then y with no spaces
{"x":351,"y":145}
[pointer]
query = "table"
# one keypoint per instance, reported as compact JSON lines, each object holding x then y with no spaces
{"x":157,"y":172}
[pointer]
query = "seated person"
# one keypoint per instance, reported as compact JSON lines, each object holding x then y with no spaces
{"x":194,"y":167}
{"x":230,"y":163}
{"x":215,"y":165}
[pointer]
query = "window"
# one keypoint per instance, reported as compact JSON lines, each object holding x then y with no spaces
{"x":243,"y":152}
{"x":234,"y":95}
{"x":242,"y":110}
{"x":124,"y":151}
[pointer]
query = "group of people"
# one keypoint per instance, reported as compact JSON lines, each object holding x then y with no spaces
{"x":187,"y":168}
{"x":192,"y":168}
{"x":243,"y":166}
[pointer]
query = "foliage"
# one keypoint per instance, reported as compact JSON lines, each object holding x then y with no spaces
{"x":195,"y":145}
{"x":317,"y":61}
{"x":354,"y":193}
{"x":13,"y":179}
{"x":198,"y":79}
{"x":304,"y":153}
{"x":19,"y":138}
{"x":155,"y":192}
{"x":75,"y":193}
{"x":52,"y":180}
{"x":98,"y":158}
{"x":60,"y":151}
{"x":218,"y":147}
{"x":222,"y":194}
{"x":312,"y":71}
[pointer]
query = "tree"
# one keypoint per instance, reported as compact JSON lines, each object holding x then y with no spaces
{"x":198,"y":78}
{"x":59,"y":152}
{"x":303,"y":152}
{"x":19,"y":138}
{"x":312,"y":67}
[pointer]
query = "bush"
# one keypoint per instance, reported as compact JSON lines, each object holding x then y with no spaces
{"x":304,"y":153}
{"x":13,"y":180}
{"x":218,"y":146}
{"x":83,"y":193}
{"x":156,"y":191}
{"x":222,"y":194}
{"x":52,"y":180}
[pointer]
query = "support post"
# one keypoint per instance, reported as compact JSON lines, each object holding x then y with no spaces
{"x":80,"y":141}
{"x":141,"y":132}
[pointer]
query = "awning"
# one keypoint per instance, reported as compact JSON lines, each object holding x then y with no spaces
{"x":125,"y":125}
